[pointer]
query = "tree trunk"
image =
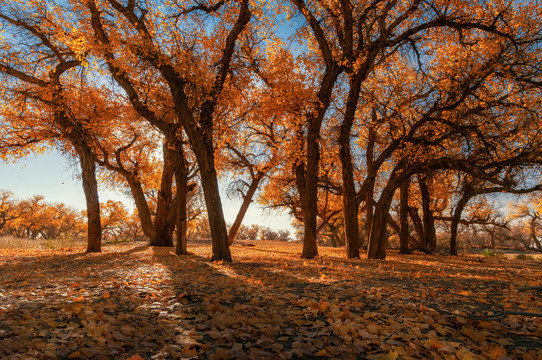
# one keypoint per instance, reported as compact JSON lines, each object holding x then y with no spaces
{"x":142,"y":207}
{"x":181,"y":220}
{"x":369,"y":195}
{"x":378,"y":238}
{"x":403,"y":218}
{"x":247,"y":199}
{"x":163,"y":236}
{"x":456,"y":218}
{"x":350,"y":202}
{"x":219,"y":235}
{"x":201,"y":140}
{"x":309,"y":211}
{"x":430,"y":235}
{"x":90,"y":187}
{"x":418,"y":226}
{"x":534,"y":238}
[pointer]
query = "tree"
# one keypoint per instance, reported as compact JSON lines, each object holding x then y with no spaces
{"x":39,"y":72}
{"x":9,"y":208}
{"x":162,"y":52}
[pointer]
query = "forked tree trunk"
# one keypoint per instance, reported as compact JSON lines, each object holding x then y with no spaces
{"x":247,"y":199}
{"x":163,"y":234}
{"x":403,"y":218}
{"x":418,"y":226}
{"x":378,"y":238}
{"x":90,"y":187}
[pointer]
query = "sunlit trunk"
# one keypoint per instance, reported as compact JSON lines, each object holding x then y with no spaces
{"x":181,"y":220}
{"x":163,"y":230}
{"x":142,"y":207}
{"x":247,"y":199}
{"x":90,"y":188}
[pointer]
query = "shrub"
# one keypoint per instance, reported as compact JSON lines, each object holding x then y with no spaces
{"x":492,"y":253}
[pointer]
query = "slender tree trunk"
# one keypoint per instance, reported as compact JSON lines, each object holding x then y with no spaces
{"x":90,"y":187}
{"x":403,"y":218}
{"x":247,"y":199}
{"x":456,"y":218}
{"x":142,"y":207}
{"x":369,"y":195}
{"x":429,"y":231}
{"x":161,"y":227}
{"x":181,"y":179}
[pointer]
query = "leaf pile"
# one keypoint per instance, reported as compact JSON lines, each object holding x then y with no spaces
{"x":139,"y":302}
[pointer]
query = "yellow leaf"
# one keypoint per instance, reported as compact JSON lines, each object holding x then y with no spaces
{"x":392,"y":355}
{"x":135,"y":357}
{"x":321,"y":353}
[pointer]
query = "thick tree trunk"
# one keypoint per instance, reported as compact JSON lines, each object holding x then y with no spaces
{"x":181,"y":221}
{"x":162,"y":228}
{"x":378,"y":238}
{"x":247,"y":199}
{"x":430,"y":235}
{"x":209,"y":182}
{"x":90,"y":187}
{"x":350,"y":203}
{"x":142,"y":207}
{"x":201,"y":140}
{"x":403,"y":219}
{"x":309,"y":211}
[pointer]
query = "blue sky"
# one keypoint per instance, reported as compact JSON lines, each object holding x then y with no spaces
{"x":52,"y":176}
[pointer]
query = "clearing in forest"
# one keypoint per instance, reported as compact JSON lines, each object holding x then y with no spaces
{"x":132,"y":301}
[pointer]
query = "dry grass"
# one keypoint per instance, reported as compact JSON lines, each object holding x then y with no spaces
{"x":12,"y":242}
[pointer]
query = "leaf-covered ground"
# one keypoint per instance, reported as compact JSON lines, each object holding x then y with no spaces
{"x":137,"y":302}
